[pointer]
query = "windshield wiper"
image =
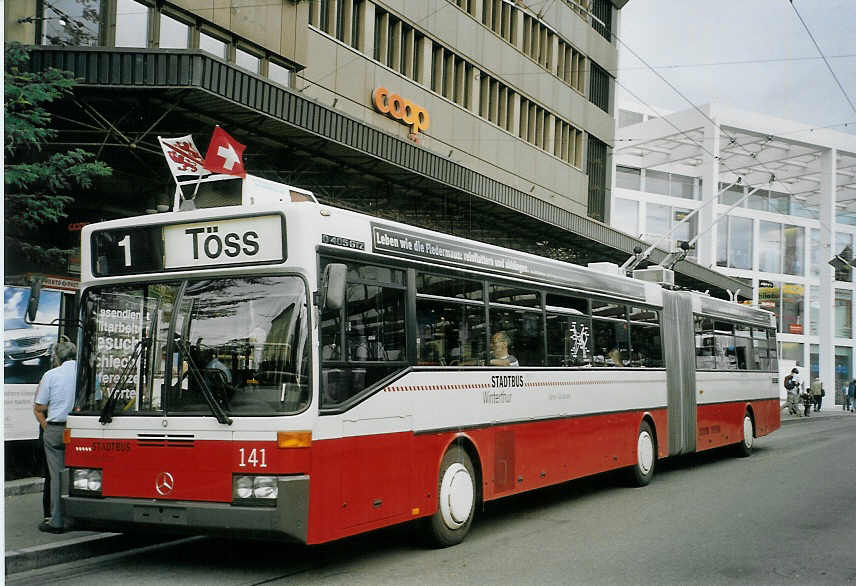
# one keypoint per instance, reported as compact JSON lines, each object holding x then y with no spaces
{"x":107,"y":412}
{"x":194,"y":371}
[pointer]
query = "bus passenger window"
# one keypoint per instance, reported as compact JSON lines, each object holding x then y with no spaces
{"x":522,"y":340}
{"x":610,"y":343}
{"x":568,"y":340}
{"x":449,"y":334}
{"x":743,"y":348}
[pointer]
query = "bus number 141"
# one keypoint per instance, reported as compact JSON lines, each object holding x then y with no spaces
{"x":256,"y":458}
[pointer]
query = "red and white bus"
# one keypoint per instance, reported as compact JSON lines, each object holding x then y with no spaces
{"x":291,"y":370}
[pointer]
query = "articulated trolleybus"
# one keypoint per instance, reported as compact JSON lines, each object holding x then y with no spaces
{"x":285,"y":369}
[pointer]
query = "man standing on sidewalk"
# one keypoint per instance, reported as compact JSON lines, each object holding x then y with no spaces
{"x":54,"y":401}
{"x":817,"y":393}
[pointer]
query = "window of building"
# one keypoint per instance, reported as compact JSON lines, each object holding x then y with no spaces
{"x":247,"y":60}
{"x":357,"y":14}
{"x":599,"y":89}
{"x":657,"y":222}
{"x":628,"y":178}
{"x":657,"y":182}
{"x":843,"y":313}
{"x":843,"y":248}
{"x":82,"y":26}
{"x":602,"y":18}
{"x":628,"y":118}
{"x":681,"y":186}
{"x":804,"y":208}
{"x":132,"y":24}
{"x":769,"y":247}
{"x":731,"y":195}
{"x":213,"y":45}
{"x":814,"y":309}
{"x":792,"y":351}
{"x":279,"y":74}
{"x":568,"y":143}
{"x":770,"y":297}
{"x":499,"y":16}
{"x":794,"y":237}
{"x":625,"y":215}
{"x":780,"y":203}
{"x":793,"y":308}
{"x":174,"y":34}
{"x":843,"y":371}
{"x":814,"y":252}
{"x":734,"y":242}
{"x":571,"y":66}
{"x":596,"y":170}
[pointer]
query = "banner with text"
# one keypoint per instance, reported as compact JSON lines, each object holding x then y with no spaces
{"x":431,"y":248}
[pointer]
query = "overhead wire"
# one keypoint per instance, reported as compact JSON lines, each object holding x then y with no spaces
{"x":825,"y":60}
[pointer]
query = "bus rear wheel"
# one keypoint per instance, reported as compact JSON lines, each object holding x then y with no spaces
{"x":646,"y":456}
{"x":744,"y":448}
{"x":456,"y":499}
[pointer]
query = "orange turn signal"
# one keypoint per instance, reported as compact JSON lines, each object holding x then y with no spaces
{"x":294,"y":439}
{"x":66,"y":436}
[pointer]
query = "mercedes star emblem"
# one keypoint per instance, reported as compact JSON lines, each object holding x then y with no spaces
{"x":164,"y":483}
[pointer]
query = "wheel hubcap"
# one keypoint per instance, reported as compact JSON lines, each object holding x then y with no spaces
{"x":645,"y":452}
{"x":456,"y":495}
{"x":748,"y":432}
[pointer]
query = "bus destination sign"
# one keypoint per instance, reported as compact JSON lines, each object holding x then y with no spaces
{"x":256,"y":239}
{"x":165,"y":247}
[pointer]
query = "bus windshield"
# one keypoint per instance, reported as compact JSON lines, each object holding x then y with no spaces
{"x":161,"y":347}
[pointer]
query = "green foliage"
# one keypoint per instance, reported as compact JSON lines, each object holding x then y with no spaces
{"x":38,"y":187}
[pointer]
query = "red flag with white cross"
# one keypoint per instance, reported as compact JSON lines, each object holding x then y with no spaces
{"x":225,"y":154}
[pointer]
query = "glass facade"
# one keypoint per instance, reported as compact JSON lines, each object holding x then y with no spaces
{"x":625,"y":215}
{"x":843,"y":313}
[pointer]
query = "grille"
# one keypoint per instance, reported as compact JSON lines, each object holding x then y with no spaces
{"x":165,"y":440}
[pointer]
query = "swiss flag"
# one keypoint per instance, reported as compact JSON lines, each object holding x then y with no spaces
{"x":225,"y":154}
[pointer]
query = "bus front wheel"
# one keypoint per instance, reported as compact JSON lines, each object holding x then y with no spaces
{"x":456,"y":496}
{"x":646,"y":456}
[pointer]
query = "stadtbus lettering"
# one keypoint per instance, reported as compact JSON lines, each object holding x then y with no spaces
{"x":400,"y":108}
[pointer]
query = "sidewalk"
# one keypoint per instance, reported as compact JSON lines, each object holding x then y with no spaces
{"x":825,"y":412}
{"x":27,"y":548}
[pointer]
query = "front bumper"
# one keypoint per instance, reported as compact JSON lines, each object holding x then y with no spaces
{"x":287,"y":520}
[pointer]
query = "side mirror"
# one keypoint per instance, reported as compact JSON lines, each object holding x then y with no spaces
{"x":33,"y":303}
{"x":333,"y":286}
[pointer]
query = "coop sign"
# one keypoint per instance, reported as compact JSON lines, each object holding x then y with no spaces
{"x":400,"y":109}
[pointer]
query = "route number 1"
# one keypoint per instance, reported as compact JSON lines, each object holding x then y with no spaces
{"x":256,"y":458}
{"x":125,"y":243}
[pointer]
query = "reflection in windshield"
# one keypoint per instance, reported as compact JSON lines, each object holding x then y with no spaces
{"x":246,"y":339}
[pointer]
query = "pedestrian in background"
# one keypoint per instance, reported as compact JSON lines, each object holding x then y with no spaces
{"x":54,"y":401}
{"x":845,"y":401}
{"x":851,"y":395}
{"x":817,"y":393}
{"x":792,"y":386}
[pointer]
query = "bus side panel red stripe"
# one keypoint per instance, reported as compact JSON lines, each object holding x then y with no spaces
{"x":722,"y":423}
{"x":367,"y":482}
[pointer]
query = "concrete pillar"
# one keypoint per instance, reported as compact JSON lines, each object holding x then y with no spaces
{"x":422,"y":67}
{"x":706,"y":245}
{"x":826,"y":325}
{"x":366,"y":24}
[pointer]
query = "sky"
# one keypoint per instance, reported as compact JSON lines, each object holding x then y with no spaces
{"x":694,"y":44}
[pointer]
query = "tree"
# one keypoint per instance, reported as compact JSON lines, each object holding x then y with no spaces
{"x":39,"y":187}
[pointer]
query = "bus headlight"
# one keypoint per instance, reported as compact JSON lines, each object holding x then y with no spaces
{"x":86,"y":481}
{"x":255,"y":489}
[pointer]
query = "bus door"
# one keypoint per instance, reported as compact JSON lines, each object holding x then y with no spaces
{"x":679,"y":345}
